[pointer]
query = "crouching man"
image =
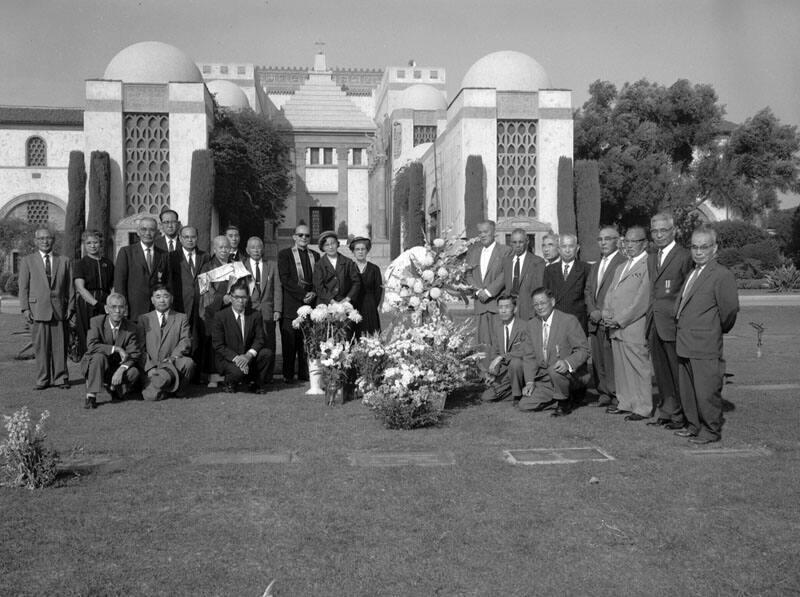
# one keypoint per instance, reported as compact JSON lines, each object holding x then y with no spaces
{"x":112,"y":353}
{"x":509,"y":358}
{"x":166,"y":338}
{"x":561,"y":351}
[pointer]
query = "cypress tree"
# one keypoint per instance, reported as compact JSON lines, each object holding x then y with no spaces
{"x":587,"y":203}
{"x":565,"y":205}
{"x":100,"y":197}
{"x":399,"y":208}
{"x":201,"y":195}
{"x":474,"y":204}
{"x":75,"y":218}
{"x":415,"y":213}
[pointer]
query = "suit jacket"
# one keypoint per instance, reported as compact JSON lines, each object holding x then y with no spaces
{"x":339,"y":284}
{"x":628,"y":297}
{"x":709,"y":310}
{"x":570,"y":293}
{"x":226,"y":336}
{"x":566,"y":341}
{"x":665,"y":288}
{"x":520,"y":345}
{"x":491,"y":279}
{"x":132,"y":279}
{"x":270,"y":299}
{"x":594,"y":295}
{"x":185,"y":290}
{"x":238,"y":255}
{"x":100,"y":340}
{"x":293,"y":289}
{"x":161,"y":243}
{"x":159,"y":345}
{"x":46,"y":300}
{"x":531,"y":277}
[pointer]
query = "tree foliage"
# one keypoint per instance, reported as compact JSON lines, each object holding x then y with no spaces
{"x":75,"y":218}
{"x":474,"y":200}
{"x":587,"y":207}
{"x":415,"y":213}
{"x":100,"y":197}
{"x":252,"y":170}
{"x":399,"y":211}
{"x":201,"y":195}
{"x":565,"y":198}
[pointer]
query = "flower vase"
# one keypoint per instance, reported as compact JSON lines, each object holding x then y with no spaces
{"x":334,"y":394}
{"x":314,"y":378}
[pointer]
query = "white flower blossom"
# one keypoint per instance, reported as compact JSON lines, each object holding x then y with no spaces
{"x":354,"y":316}
{"x":419,"y":287}
{"x":442,"y":272}
{"x":435,"y":293}
{"x":428,"y":276}
{"x":304,"y":311}
{"x":438,"y":243}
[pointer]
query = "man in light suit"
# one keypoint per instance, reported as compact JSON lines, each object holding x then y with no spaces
{"x":509,"y":357}
{"x":112,"y":353}
{"x":668,"y":268}
{"x":139,"y":268}
{"x":185,"y":264}
{"x":164,"y":335}
{"x":624,"y":311}
{"x":597,"y":285}
{"x":561,"y":351}
{"x":567,"y":279}
{"x":169,"y":241}
{"x":238,"y":339}
{"x":523,"y":272}
{"x":46,"y":298}
{"x":486,"y":278}
{"x":706,"y":310}
{"x":266,"y":294}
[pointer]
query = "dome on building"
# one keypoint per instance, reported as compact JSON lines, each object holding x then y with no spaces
{"x":152,"y":62}
{"x":422,"y":97}
{"x":228,"y":95}
{"x":507,"y":71}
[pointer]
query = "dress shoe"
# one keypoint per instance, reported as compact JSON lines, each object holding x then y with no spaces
{"x":229,"y":388}
{"x":41,"y":386}
{"x":542,"y":405}
{"x":701,"y":441}
{"x":685,"y":433}
{"x":562,"y":410}
{"x":604,"y":400}
{"x":662,"y":422}
{"x":90,"y":402}
{"x":673,"y":425}
{"x":613,"y":410}
{"x":635,"y":417}
{"x":261,"y":390}
{"x":64,"y":386}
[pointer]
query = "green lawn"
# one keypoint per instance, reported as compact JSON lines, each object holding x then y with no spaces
{"x":660,"y":521}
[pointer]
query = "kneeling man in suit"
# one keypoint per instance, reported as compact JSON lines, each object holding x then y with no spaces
{"x":509,"y":357}
{"x":167,"y":342}
{"x":112,"y":353}
{"x":561,"y":351}
{"x":237,"y":335}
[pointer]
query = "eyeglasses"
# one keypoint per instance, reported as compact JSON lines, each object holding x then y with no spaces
{"x":661,"y":230}
{"x":303,"y":235}
{"x":630,"y":241}
{"x":604,"y":238}
{"x":702,"y":247}
{"x":238,"y":297}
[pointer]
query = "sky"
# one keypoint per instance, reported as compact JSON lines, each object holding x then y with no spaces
{"x":749,"y":51}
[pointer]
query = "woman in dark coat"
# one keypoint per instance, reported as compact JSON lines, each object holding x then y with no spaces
{"x":371,"y":295}
{"x":93,"y":275}
{"x":336,"y":277}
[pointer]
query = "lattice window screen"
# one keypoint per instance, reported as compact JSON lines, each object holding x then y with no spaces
{"x":424,"y":134}
{"x":516,"y":168}
{"x":146,"y":163}
{"x":38,"y":212}
{"x":35,"y":152}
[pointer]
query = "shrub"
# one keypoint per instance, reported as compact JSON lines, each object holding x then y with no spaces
{"x":415,"y":213}
{"x":565,"y":197}
{"x":12,"y":285}
{"x":729,"y":257}
{"x":201,"y":195}
{"x":784,"y":278}
{"x":587,"y":207}
{"x":26,"y":461}
{"x":4,"y":276}
{"x":736,"y":233}
{"x":746,"y":270}
{"x":100,"y":197}
{"x":754,"y":284}
{"x":765,"y":251}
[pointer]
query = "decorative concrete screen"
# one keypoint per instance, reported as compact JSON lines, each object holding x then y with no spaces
{"x":516,"y":168}
{"x":146,"y":163}
{"x":38,"y":212}
{"x":424,"y":133}
{"x":35,"y":152}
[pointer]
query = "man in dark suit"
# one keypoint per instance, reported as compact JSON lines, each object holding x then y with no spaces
{"x":597,"y":285}
{"x":668,"y":268}
{"x":169,"y":241}
{"x":46,"y":298}
{"x":561,"y":351}
{"x":567,"y":279}
{"x":164,"y":336}
{"x":706,"y":310}
{"x":509,"y":357}
{"x":185,"y":264}
{"x":235,"y":238}
{"x":486,"y":278}
{"x":238,"y":339}
{"x":112,"y":354}
{"x":266,"y":294}
{"x":523,"y":272}
{"x":139,"y":268}
{"x":295,"y":272}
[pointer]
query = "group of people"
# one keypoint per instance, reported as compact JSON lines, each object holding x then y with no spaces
{"x":633,"y":315}
{"x":147,"y":325}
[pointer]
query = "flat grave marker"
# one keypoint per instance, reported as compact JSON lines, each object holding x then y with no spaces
{"x":383,"y":459}
{"x":246,"y":458}
{"x":736,"y":452}
{"x":532,"y":456}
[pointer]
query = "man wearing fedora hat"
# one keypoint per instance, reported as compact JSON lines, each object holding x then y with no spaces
{"x":166,"y":338}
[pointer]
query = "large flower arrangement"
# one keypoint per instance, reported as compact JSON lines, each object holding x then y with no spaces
{"x":423,"y":278}
{"x":323,"y":323}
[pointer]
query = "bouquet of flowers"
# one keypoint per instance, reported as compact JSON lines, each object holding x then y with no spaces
{"x":325,"y":322}
{"x":336,"y":360}
{"x":423,"y":278}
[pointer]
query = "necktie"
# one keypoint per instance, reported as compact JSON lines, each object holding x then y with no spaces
{"x":566,"y":271}
{"x":545,"y":338}
{"x":687,"y":287}
{"x":149,"y":257}
{"x":306,"y":263}
{"x":624,"y":271}
{"x":47,"y":269}
{"x":163,"y":320}
{"x":258,"y":275}
{"x":239,"y":323}
{"x":660,"y":257}
{"x":114,"y":335}
{"x":508,"y":336}
{"x":191,"y":264}
{"x":171,"y":245}
{"x":515,"y":278}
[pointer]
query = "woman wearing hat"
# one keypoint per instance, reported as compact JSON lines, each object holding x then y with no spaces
{"x":336,"y":277}
{"x":371,"y":287}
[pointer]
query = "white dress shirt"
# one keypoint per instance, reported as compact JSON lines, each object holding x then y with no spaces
{"x":486,"y":257}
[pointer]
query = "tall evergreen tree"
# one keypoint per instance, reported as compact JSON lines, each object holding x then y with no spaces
{"x":100,"y":197}
{"x":201,"y":196}
{"x":474,"y":197}
{"x":75,"y":218}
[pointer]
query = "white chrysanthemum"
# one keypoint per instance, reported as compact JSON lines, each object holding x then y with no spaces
{"x":354,"y":316}
{"x":404,"y":293}
{"x":435,"y":293}
{"x":438,"y":243}
{"x":428,"y":275}
{"x":426,"y":260}
{"x":414,"y":301}
{"x":442,"y":272}
{"x":419,"y":287}
{"x":296,"y":323}
{"x":304,"y":311}
{"x":409,"y":281}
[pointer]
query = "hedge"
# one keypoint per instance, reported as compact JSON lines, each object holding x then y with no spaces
{"x":415,"y":213}
{"x":565,"y":197}
{"x":587,"y":207}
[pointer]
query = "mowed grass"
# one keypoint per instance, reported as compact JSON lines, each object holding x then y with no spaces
{"x":660,"y":521}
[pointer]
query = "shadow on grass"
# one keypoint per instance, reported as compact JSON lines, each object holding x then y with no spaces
{"x":464,"y":397}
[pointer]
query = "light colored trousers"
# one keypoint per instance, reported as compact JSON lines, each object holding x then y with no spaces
{"x":632,"y":376}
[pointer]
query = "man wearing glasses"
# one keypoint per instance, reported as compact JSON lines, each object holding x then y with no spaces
{"x":624,"y":312}
{"x":706,"y":310}
{"x":667,"y":267}
{"x":237,"y":335}
{"x":295,"y":271}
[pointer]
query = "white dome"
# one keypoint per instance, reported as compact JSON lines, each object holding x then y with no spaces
{"x":422,"y":97}
{"x":228,"y":95}
{"x":507,"y":71}
{"x":152,"y":62}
